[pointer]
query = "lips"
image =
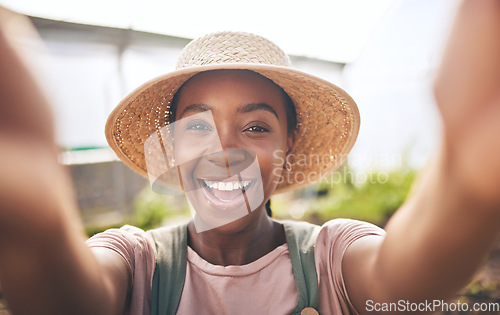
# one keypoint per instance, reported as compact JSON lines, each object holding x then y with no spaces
{"x":227,"y":194}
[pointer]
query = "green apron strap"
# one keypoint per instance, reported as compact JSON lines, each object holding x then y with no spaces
{"x":301,"y":239}
{"x":170,"y":269}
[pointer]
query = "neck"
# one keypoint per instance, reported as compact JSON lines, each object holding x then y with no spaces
{"x":239,"y":242}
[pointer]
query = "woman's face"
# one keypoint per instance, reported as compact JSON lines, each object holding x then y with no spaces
{"x":230,"y":138}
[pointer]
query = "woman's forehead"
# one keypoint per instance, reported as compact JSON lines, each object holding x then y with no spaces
{"x":233,"y":87}
{"x":222,"y":78}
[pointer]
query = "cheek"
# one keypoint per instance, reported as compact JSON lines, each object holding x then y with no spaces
{"x":188,"y":147}
{"x":271,"y":160}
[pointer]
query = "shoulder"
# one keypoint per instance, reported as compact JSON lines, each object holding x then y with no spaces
{"x":131,"y":243}
{"x":346,"y":231}
{"x":349,"y":223}
{"x":333,"y":240}
{"x":126,"y":236}
{"x":168,"y":238}
{"x":337,"y":235}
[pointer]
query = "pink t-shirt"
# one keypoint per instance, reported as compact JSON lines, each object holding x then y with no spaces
{"x":265,"y":286}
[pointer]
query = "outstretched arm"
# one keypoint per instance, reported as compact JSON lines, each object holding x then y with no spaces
{"x":45,"y":266}
{"x":445,"y":229}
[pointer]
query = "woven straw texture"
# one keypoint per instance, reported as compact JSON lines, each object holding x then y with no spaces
{"x":229,"y":47}
{"x":328,"y":118}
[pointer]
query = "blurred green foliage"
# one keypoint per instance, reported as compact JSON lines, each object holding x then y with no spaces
{"x":91,"y":230}
{"x":372,"y":196}
{"x":151,"y":210}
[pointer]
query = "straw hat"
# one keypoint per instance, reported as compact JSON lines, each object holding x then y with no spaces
{"x":328,"y":118}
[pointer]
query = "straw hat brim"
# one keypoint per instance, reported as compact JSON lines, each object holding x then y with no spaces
{"x":328,"y":120}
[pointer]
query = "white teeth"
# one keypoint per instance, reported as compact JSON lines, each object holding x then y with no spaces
{"x":227,"y":186}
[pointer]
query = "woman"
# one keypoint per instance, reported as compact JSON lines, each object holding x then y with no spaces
{"x":452,"y":215}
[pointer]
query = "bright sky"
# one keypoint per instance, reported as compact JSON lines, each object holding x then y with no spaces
{"x":333,"y":30}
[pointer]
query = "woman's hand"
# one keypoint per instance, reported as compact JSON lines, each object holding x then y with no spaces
{"x":43,"y":255}
{"x":30,"y":175}
{"x":441,"y":235}
{"x":468,"y":95}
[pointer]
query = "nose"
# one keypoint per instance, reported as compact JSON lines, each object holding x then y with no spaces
{"x":228,"y":157}
{"x":233,"y":160}
{"x":231,"y":154}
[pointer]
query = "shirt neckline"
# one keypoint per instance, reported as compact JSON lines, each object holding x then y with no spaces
{"x":236,"y":270}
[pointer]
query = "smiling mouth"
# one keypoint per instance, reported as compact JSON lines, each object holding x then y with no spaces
{"x":227,"y":186}
{"x":226,"y":194}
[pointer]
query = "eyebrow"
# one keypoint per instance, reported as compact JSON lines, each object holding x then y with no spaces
{"x":257,"y":106}
{"x":248,"y":108}
{"x":195,"y":108}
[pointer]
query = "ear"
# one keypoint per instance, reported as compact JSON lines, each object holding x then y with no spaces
{"x":290,"y":141}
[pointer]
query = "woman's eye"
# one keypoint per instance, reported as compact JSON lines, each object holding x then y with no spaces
{"x":198,"y":126}
{"x":257,"y":129}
